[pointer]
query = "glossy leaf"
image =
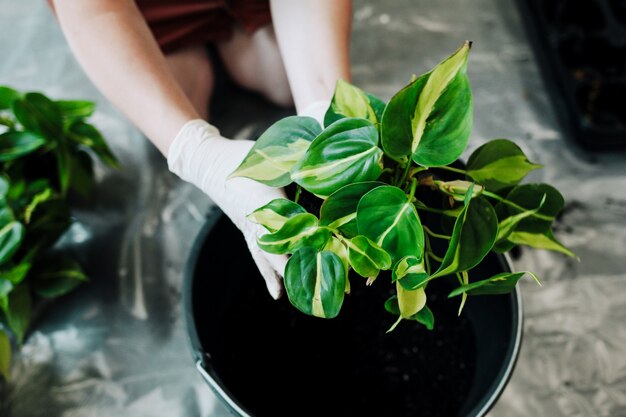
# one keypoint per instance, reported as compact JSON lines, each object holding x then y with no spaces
{"x":315,"y":282}
{"x":430,"y":120}
{"x":410,"y":302}
{"x":5,"y":356}
{"x":11,"y":236}
{"x":410,"y":272}
{"x":351,"y":101}
{"x":57,"y":276}
{"x":15,"y":144}
{"x":6,"y":286}
{"x":16,"y":273}
{"x":4,"y":186}
{"x":87,"y":135}
{"x":387,"y":217}
{"x":299,"y":231}
{"x":506,"y":226}
{"x":473,"y":236}
{"x":7,"y":97}
{"x":277,"y":150}
{"x":366,"y":257}
{"x":19,"y":311}
{"x":344,"y":153}
{"x":457,"y":189}
{"x":275,"y":214}
{"x":424,"y":316}
{"x":335,"y":246}
{"x":39,"y":114}
{"x":502,"y":283}
{"x":544,"y":240}
{"x":339,"y":209}
{"x":528,"y":197}
{"x":498,"y":164}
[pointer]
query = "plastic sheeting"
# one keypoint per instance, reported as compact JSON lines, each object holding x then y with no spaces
{"x":117,"y":345}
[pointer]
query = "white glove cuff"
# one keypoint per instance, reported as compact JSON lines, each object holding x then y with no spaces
{"x":184,"y":150}
{"x":316,"y":110}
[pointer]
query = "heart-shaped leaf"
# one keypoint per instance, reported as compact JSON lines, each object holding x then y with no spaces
{"x":366,"y":257}
{"x":498,"y":164}
{"x":430,"y":120}
{"x":344,"y":153}
{"x":315,"y":282}
{"x":424,"y":316}
{"x":351,"y":101}
{"x":299,"y":231}
{"x":502,"y":283}
{"x":473,"y":236}
{"x":410,"y":272}
{"x":506,"y":226}
{"x":15,"y":144}
{"x":277,"y":150}
{"x":544,"y":240}
{"x":275,"y":214}
{"x":410,"y":301}
{"x":339,"y":209}
{"x":386,"y":216}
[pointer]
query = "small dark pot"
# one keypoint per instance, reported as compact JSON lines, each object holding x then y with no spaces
{"x":264,"y":359}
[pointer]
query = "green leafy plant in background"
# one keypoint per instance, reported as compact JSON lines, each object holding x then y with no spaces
{"x":371,"y":164}
{"x":45,"y":153}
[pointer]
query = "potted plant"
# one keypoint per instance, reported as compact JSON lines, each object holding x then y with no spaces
{"x":379,"y":200}
{"x":46,"y":150}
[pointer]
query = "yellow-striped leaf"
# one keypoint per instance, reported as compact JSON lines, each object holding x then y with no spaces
{"x":410,"y":272}
{"x":366,"y":257}
{"x":351,"y":101}
{"x":430,"y":120}
{"x":275,"y":214}
{"x":277,"y":150}
{"x":315,"y":282}
{"x":299,"y":231}
{"x":344,"y":153}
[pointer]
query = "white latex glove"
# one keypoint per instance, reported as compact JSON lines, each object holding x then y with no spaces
{"x":201,"y":156}
{"x":316,"y":110}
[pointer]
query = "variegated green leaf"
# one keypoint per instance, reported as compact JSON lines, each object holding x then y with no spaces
{"x":351,"y":101}
{"x":344,"y":153}
{"x":366,"y":257}
{"x":275,"y":214}
{"x":473,"y":236}
{"x":387,"y":217}
{"x":527,"y":197}
{"x":11,"y":236}
{"x":315,"y":282}
{"x":506,"y":226}
{"x":410,"y":301}
{"x":277,"y":150}
{"x":502,"y":283}
{"x":299,"y":231}
{"x":544,"y":240}
{"x":339,"y":209}
{"x":498,"y":164}
{"x":430,"y":120}
{"x":410,"y":272}
{"x":335,"y":246}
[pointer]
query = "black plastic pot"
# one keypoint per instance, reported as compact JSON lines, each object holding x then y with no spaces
{"x":221,"y":283}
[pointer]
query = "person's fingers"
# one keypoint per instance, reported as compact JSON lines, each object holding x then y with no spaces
{"x":278,"y":262}
{"x":272,"y":279}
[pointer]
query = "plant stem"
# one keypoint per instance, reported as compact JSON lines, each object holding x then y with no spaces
{"x":447,"y":168}
{"x":433,"y":234}
{"x":413,"y":188}
{"x":405,"y":174}
{"x":435,"y":257}
{"x":297,"y":197}
{"x":512,"y":204}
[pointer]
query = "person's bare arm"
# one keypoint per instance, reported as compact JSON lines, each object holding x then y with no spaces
{"x":314,"y":40}
{"x":114,"y":45}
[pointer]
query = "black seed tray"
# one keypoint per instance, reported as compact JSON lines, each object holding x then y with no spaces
{"x":581,"y":47}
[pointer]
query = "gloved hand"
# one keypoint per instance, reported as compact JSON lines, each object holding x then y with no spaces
{"x":316,"y":110}
{"x":201,"y":156}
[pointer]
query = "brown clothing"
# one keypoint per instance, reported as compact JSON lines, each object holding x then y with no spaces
{"x":179,"y":23}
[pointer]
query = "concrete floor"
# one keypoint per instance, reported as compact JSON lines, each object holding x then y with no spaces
{"x":118,"y":346}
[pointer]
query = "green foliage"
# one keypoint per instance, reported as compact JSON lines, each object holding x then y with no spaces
{"x":46,"y":150}
{"x":369,"y":163}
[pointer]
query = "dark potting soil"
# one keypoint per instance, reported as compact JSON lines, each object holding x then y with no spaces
{"x":279,"y":362}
